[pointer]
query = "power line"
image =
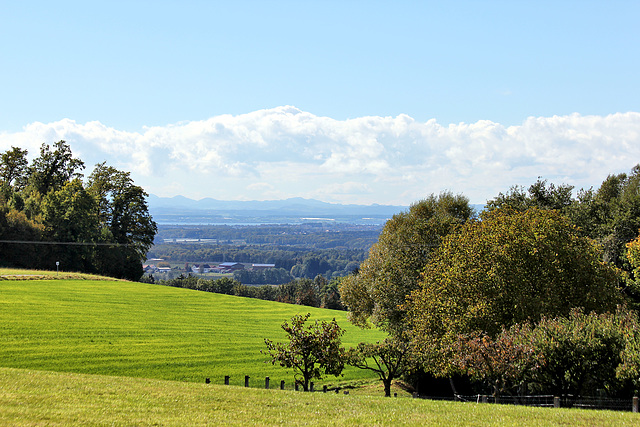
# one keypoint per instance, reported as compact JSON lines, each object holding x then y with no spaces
{"x":39,"y":242}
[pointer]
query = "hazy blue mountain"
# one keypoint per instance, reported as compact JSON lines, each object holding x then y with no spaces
{"x":180,"y":209}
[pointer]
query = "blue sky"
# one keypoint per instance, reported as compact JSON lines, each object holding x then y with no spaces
{"x":344,"y":101}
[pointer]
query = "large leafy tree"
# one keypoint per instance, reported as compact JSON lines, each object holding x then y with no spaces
{"x":13,"y":167}
{"x":510,"y":267}
{"x":389,"y":359}
{"x":70,"y":216}
{"x":312,"y":350}
{"x":610,"y":214}
{"x":501,"y":363}
{"x":539,"y":195}
{"x":392,"y":270}
{"x":53,"y":168}
{"x":124,"y":215}
{"x":580,"y":353}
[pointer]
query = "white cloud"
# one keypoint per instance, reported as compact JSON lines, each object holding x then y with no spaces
{"x":285,"y":152}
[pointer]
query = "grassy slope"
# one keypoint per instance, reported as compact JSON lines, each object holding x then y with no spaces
{"x":141,"y":330}
{"x":46,"y":398}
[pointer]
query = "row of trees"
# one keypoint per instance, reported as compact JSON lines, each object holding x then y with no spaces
{"x":534,"y":294}
{"x":318,"y":292}
{"x":49,"y":214}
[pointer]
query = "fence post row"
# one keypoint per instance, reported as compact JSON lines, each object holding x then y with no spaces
{"x":635,"y":405}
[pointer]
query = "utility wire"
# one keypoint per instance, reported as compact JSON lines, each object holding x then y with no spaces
{"x":37,"y":242}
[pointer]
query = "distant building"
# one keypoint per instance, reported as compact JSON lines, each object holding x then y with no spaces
{"x":262,"y":266}
{"x":230,"y":266}
{"x":202,"y":268}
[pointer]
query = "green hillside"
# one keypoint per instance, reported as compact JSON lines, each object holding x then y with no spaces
{"x":141,"y":330}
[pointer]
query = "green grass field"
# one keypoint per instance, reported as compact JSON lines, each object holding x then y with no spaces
{"x":47,"y":398}
{"x":95,"y":352}
{"x":141,"y":330}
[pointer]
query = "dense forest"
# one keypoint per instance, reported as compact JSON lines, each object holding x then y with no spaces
{"x":50,"y":216}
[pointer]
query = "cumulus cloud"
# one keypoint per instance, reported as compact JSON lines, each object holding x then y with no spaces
{"x":286,"y":152}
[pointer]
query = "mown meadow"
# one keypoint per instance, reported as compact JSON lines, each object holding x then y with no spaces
{"x":140,"y":330}
{"x":51,"y":398}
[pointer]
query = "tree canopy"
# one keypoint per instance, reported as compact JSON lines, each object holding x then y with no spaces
{"x":509,"y":267}
{"x":378,"y":290}
{"x":101,"y":226}
{"x":312,"y":351}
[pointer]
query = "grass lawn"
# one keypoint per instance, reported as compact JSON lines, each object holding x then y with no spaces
{"x":20,"y":274}
{"x":139,"y":330}
{"x":49,"y":398}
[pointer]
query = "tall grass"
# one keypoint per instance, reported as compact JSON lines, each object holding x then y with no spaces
{"x":142,"y":330}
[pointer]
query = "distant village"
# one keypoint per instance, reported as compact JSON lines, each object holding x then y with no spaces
{"x":202,"y":268}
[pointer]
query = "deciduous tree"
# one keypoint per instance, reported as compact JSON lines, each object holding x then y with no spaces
{"x":378,"y":291}
{"x":13,"y":167}
{"x":389,"y":359}
{"x":502,"y":363}
{"x":311,"y":351}
{"x":125,"y":218}
{"x":53,"y":168}
{"x":580,"y":353}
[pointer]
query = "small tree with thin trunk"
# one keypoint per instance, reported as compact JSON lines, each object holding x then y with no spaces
{"x":390,"y":359}
{"x":312,"y":351}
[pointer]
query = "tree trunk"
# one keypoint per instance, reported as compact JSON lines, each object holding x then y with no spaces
{"x":387,"y":387}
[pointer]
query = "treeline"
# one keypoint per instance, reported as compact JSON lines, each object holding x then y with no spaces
{"x":318,"y":292}
{"x":49,"y":214}
{"x":298,"y":262}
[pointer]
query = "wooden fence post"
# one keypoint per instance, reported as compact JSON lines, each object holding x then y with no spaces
{"x":266,"y":382}
{"x":484,"y":399}
{"x":246,"y":380}
{"x":634,"y":406}
{"x":556,"y":402}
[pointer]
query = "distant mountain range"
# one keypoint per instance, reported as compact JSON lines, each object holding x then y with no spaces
{"x":180,"y":209}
